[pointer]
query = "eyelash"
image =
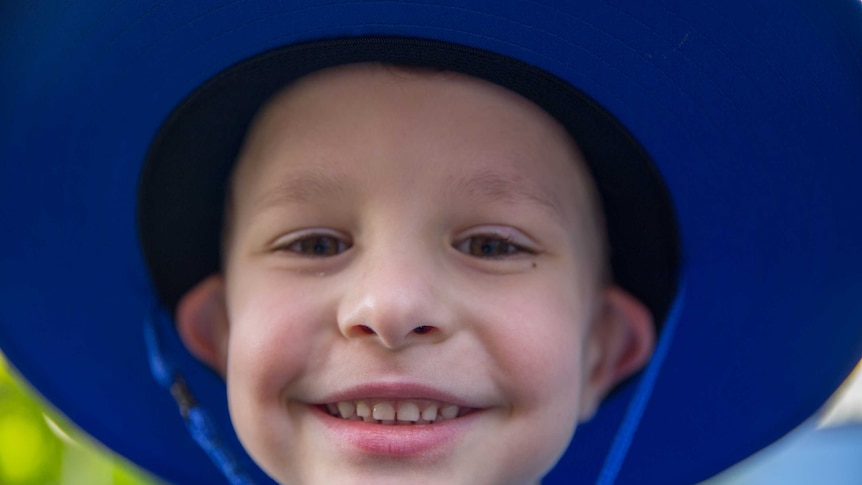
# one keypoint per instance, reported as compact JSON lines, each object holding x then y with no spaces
{"x":312,"y":245}
{"x":484,"y":246}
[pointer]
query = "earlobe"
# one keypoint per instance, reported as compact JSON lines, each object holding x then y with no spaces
{"x":619,"y":343}
{"x":202,"y":322}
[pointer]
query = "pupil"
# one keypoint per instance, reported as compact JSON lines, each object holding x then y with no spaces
{"x":488,"y":247}
{"x":322,"y":246}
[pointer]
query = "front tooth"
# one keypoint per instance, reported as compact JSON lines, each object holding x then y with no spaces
{"x":408,"y":411}
{"x":449,"y":411}
{"x":346,"y":409}
{"x":363,"y":410}
{"x":383,"y":411}
{"x":430,"y":413}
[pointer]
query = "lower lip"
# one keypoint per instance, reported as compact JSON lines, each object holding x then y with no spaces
{"x":397,"y":440}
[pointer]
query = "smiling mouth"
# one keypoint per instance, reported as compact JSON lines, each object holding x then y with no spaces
{"x":395,"y":412}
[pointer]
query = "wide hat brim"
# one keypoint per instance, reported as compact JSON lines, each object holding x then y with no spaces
{"x":751,"y":112}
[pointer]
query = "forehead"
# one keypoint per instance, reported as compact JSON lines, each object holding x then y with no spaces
{"x":356,"y":128}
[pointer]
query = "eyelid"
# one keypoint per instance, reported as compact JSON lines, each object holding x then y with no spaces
{"x":503,"y":232}
{"x":284,"y":241}
{"x":509,"y":234}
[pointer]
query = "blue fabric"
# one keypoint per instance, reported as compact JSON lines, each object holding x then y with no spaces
{"x":625,"y":434}
{"x":751,"y":110}
{"x":200,"y":426}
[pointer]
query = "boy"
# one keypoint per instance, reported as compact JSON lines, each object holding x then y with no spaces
{"x":427,"y":247}
{"x":411,"y":248}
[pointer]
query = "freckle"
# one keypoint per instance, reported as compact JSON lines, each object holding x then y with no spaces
{"x":535,"y":265}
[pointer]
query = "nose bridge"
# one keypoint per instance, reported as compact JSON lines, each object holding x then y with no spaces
{"x":393,"y":296}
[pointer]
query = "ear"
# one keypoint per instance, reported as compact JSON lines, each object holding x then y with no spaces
{"x":203,"y":324}
{"x":619,"y":343}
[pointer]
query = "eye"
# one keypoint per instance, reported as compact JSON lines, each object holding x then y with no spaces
{"x":489,"y":246}
{"x":317,"y":245}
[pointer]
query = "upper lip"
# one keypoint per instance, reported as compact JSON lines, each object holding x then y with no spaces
{"x":395,"y":390}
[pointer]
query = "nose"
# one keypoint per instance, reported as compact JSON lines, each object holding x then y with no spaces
{"x":395,"y":298}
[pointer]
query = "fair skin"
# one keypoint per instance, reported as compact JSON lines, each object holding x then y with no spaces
{"x":402,"y":241}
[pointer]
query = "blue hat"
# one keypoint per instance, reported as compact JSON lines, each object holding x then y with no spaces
{"x":725,"y":138}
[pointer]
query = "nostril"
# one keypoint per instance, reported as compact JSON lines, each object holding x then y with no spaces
{"x":422,"y":329}
{"x":367,"y":330}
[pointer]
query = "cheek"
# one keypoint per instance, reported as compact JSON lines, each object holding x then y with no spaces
{"x":540,"y":368}
{"x":273,"y":328}
{"x":535,"y":333}
{"x":545,"y":326}
{"x":545,"y":364}
{"x":266,"y":341}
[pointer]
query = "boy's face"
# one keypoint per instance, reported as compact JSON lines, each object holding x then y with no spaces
{"x":408,"y":245}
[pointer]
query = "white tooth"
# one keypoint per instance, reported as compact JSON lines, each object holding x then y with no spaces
{"x":363,"y":410}
{"x":346,"y":409}
{"x":408,"y":411}
{"x":449,"y":411}
{"x":332,"y":408}
{"x":383,"y":411}
{"x":430,"y":413}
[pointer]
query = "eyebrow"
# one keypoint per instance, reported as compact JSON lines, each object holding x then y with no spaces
{"x":484,"y":186}
{"x":493,"y":187}
{"x":306,"y":186}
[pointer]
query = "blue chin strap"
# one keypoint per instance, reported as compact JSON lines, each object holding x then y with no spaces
{"x":158,"y":327}
{"x":632,"y":419}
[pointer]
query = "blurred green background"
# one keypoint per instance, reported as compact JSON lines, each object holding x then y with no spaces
{"x":38,"y":447}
